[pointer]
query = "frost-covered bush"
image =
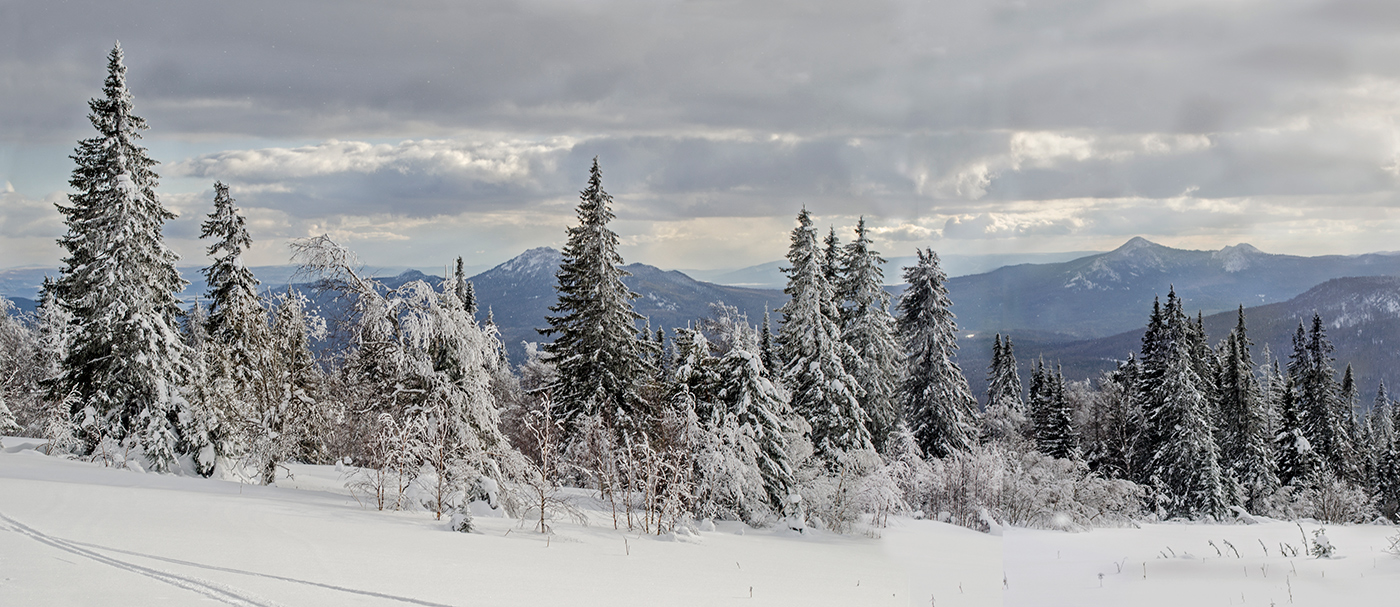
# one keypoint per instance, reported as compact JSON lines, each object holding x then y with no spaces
{"x":1019,"y":487}
{"x":1046,"y":492}
{"x":1330,"y":500}
{"x":859,"y":483}
{"x":965,"y":483}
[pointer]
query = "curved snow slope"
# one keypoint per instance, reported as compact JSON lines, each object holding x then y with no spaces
{"x":76,"y":533}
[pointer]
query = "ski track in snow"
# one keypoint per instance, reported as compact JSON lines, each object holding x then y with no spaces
{"x":210,"y":589}
{"x":370,"y":593}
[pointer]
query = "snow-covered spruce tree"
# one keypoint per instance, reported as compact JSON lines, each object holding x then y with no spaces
{"x":1147,"y":382}
{"x":695,"y":371}
{"x":126,"y":364}
{"x":814,"y":357}
{"x":237,"y":322}
{"x":767,"y":348}
{"x":1183,"y":466}
{"x":1246,"y":444}
{"x":831,"y":261}
{"x":937,"y":403}
{"x":1051,"y":415}
{"x":463,"y":288}
{"x":869,"y":329}
{"x":1321,"y":409}
{"x":1385,"y":454}
{"x":1005,"y":416}
{"x":244,"y":401}
{"x":1297,"y":461}
{"x":601,"y":365}
{"x":760,"y":412}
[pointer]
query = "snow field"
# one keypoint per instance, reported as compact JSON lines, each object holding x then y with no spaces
{"x":1050,"y":568}
{"x":77,"y":533}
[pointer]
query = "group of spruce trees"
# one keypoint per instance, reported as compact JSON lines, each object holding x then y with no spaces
{"x":1205,"y":429}
{"x":841,"y":376}
{"x":119,"y":370}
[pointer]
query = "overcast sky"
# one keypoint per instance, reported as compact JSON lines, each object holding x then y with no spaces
{"x":418,"y":131}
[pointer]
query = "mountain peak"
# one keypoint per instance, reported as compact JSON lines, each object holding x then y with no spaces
{"x":1136,"y":243}
{"x":533,"y":260}
{"x":1243,"y":247}
{"x":1237,"y":257}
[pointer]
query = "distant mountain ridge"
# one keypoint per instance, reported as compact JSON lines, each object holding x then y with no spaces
{"x":1105,"y":294}
{"x":520,"y":291}
{"x":770,"y":275}
{"x":1361,"y":314}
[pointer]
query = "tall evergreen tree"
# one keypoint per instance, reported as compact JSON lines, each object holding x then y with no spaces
{"x":601,"y":365}
{"x":1385,"y":454}
{"x":239,"y":359}
{"x":814,"y":356}
{"x":1246,"y":442}
{"x":237,"y":320}
{"x":767,"y":348}
{"x":1298,"y":463}
{"x":1183,"y":459}
{"x":463,"y":288}
{"x":831,"y":259}
{"x":938,"y":405}
{"x":119,"y":283}
{"x":1005,"y":415}
{"x":869,"y":330}
{"x":1051,"y":415}
{"x":1320,"y":405}
{"x":761,"y":413}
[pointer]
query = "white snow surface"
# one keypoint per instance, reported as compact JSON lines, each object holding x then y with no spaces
{"x":75,"y":533}
{"x":1053,"y":568}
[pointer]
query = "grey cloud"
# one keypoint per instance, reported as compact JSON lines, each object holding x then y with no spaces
{"x":425,"y":68}
{"x":926,"y":115}
{"x":22,"y":216}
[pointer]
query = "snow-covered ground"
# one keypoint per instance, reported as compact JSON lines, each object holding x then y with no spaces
{"x":1176,"y":565}
{"x":74,"y":533}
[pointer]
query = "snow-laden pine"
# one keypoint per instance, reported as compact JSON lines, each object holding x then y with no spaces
{"x":1182,"y":458}
{"x":813,"y":355}
{"x":240,"y":408}
{"x":1052,"y":418}
{"x":868,"y":328}
{"x":1246,"y":444}
{"x":601,"y":366}
{"x":936,"y":399}
{"x":1004,"y":418}
{"x":126,"y":362}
